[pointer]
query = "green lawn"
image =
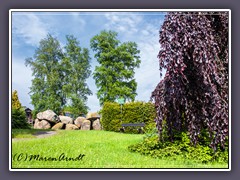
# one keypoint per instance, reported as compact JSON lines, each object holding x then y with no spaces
{"x":102,"y":149}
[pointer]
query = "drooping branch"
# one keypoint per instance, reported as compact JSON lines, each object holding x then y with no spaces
{"x":194,"y":92}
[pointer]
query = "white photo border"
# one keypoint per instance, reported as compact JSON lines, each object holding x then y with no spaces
{"x":113,"y":10}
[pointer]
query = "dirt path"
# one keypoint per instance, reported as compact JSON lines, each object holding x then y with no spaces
{"x":43,"y":134}
{"x":39,"y":134}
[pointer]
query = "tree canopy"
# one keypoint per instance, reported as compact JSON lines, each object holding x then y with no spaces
{"x":114,"y":76}
{"x":193,"y":95}
{"x":59,"y":75}
{"x":76,"y":69}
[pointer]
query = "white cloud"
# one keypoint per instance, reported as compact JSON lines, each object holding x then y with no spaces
{"x":134,"y":27}
{"x":145,"y":32}
{"x":21,"y":81}
{"x":123,"y":22}
{"x":29,"y":27}
{"x":93,"y":103}
{"x":148,"y":75}
{"x":77,"y":18}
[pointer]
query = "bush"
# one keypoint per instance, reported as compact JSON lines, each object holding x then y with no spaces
{"x":181,"y":148}
{"x":134,"y":112}
{"x":19,"y":120}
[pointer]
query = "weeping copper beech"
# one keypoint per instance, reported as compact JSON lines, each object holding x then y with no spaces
{"x":193,"y":95}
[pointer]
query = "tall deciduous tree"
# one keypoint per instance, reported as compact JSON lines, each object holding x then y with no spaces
{"x":59,"y":75}
{"x":193,"y":95}
{"x":46,"y":90}
{"x":114,"y":76}
{"x":76,"y":67}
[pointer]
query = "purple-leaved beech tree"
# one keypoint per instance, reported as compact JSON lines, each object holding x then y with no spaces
{"x":193,"y":95}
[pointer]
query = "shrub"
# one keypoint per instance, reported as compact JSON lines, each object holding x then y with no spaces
{"x":19,"y":120}
{"x":179,"y":148}
{"x":15,"y":100}
{"x":133,"y":112}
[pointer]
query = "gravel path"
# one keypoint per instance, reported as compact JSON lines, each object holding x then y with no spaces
{"x":43,"y":134}
{"x":39,"y":134}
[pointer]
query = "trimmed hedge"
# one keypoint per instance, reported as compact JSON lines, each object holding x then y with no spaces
{"x":133,"y":112}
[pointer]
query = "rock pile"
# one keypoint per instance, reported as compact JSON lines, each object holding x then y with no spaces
{"x":45,"y":120}
{"x":50,"y":120}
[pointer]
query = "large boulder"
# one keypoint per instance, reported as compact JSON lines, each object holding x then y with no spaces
{"x":92,"y":116}
{"x":79,"y":121}
{"x":71,"y":127}
{"x":41,"y":124}
{"x":66,"y":119}
{"x":48,"y":115}
{"x":86,"y":125}
{"x":96,"y":125}
{"x":58,"y":126}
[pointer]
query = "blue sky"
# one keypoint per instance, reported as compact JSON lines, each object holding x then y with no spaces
{"x":28,"y":28}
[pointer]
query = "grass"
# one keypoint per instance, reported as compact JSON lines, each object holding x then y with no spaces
{"x":102,"y":149}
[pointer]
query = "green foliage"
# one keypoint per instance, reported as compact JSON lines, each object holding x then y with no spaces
{"x":15,"y":101}
{"x":75,"y":112}
{"x":19,"y":120}
{"x":59,"y":75}
{"x":76,"y":69}
{"x":46,"y":86}
{"x":194,"y":54}
{"x":133,"y":112}
{"x":115,"y":76}
{"x":179,"y":149}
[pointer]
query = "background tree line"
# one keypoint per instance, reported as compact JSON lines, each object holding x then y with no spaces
{"x":60,"y":73}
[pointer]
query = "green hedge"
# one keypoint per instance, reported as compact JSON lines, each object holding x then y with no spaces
{"x":134,"y":112}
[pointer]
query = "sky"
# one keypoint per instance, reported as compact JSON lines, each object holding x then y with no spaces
{"x":28,"y":28}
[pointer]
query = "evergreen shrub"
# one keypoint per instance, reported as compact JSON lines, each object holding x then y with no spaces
{"x":19,"y":120}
